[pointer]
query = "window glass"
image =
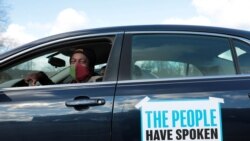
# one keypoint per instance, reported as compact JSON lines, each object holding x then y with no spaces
{"x":34,"y":65}
{"x":168,"y":55}
{"x":40,"y":64}
{"x":163,"y":69}
{"x":243,"y":54}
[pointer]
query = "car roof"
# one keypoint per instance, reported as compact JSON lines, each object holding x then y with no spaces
{"x":135,"y":28}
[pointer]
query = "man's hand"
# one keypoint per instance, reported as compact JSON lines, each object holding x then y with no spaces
{"x":32,"y":78}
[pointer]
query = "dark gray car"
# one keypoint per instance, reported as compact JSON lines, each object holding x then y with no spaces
{"x":161,"y":82}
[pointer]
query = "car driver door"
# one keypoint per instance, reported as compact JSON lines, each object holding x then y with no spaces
{"x":65,"y":112}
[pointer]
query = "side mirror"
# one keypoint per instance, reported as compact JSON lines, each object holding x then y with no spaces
{"x":56,"y":62}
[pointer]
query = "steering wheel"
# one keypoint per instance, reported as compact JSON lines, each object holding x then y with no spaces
{"x":20,"y":83}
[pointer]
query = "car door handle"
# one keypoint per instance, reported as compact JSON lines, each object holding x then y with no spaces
{"x":84,"y":102}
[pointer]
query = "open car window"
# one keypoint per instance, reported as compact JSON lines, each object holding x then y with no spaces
{"x":54,"y":61}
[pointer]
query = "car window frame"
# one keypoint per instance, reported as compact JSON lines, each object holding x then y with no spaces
{"x":114,"y":55}
{"x":233,"y":42}
{"x":124,"y":72}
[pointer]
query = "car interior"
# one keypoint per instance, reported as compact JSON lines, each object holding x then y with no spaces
{"x":167,"y":59}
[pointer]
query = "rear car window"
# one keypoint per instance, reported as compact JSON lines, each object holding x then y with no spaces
{"x":171,"y":55}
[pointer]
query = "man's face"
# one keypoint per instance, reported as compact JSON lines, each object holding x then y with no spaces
{"x":79,"y":58}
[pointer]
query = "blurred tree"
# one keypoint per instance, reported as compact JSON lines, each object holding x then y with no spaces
{"x":4,"y":18}
{"x":5,"y":42}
